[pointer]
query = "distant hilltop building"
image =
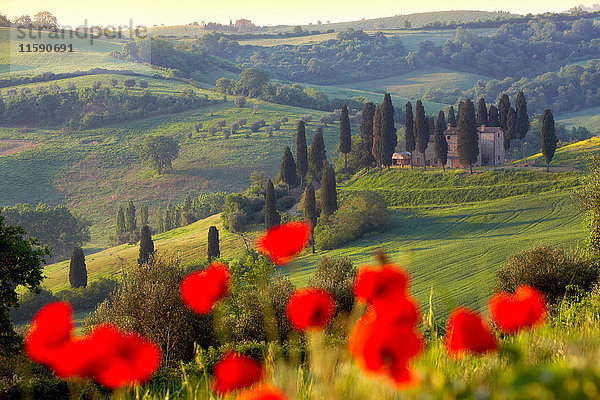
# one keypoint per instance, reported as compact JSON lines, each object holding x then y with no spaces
{"x":491,"y":150}
{"x":244,"y":23}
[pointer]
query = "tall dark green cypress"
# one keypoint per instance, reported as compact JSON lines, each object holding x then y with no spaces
{"x":120,"y":221}
{"x":511,"y":124}
{"x":345,"y":135}
{"x":482,"y":113}
{"x":317,"y":154}
{"x":548,"y":137}
{"x":2,"y":108}
{"x":522,"y":123}
{"x":130,"y":220}
{"x":160,"y":220}
{"x":301,"y":153}
{"x":467,"y":141}
{"x":213,"y":250}
{"x":421,"y":130}
{"x":460,"y":104}
{"x":272,"y":217}
{"x":144,"y":214}
{"x":328,"y":191}
{"x":503,"y":107}
{"x":288,"y":169}
{"x":366,"y":159}
{"x":452,"y":117}
{"x":441,"y":144}
{"x":309,"y":209}
{"x":146,"y":246}
{"x":77,"y":269}
{"x":169,"y":218}
{"x":493,"y":117}
{"x":378,"y":138}
{"x":388,"y":128}
{"x":409,"y":135}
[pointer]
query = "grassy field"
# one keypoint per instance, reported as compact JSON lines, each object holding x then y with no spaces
{"x":85,"y":56}
{"x":95,"y":171}
{"x":413,"y":84}
{"x":587,"y":117}
{"x":576,"y":154}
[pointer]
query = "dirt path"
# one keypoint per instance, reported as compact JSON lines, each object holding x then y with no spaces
{"x":12,"y":146}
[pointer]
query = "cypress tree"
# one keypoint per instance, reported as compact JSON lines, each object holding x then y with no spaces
{"x":494,"y":117}
{"x":160,"y":220}
{"x":345,"y":135}
{"x":2,"y":108}
{"x":288,"y":169}
{"x":146,"y":246}
{"x":460,"y":104}
{"x":452,"y":117}
{"x":522,"y":123}
{"x":421,"y":130}
{"x":366,"y":159}
{"x":301,"y":153}
{"x":169,"y":218}
{"x":317,"y":154}
{"x":120,"y":221}
{"x":482,"y":113}
{"x":272,"y":217}
{"x":388,"y":129}
{"x":503,"y":107}
{"x":213,"y":243}
{"x":177,"y":222}
{"x":144,"y":214}
{"x":468,"y":139}
{"x":328,"y":190}
{"x":409,"y":135}
{"x":77,"y":269}
{"x":548,"y":137}
{"x":130,"y":220}
{"x":378,"y":139}
{"x":511,"y":119}
{"x":309,"y":209}
{"x":441,"y":144}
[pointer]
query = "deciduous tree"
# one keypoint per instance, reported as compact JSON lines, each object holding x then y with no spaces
{"x":159,"y":152}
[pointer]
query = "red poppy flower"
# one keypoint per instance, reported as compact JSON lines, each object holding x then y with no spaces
{"x":403,"y":311}
{"x":282,"y":243}
{"x":122,"y":358}
{"x":200,"y":290}
{"x":524,"y":309}
{"x":236,"y":371}
{"x":385,"y":283}
{"x":466,"y":332}
{"x":310,"y":308}
{"x":50,"y":332}
{"x":262,"y":392}
{"x":385,"y":349}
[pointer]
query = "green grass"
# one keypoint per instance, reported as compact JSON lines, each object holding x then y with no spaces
{"x":458,"y":249}
{"x":85,"y":55}
{"x":95,"y":171}
{"x":576,"y":154}
{"x":413,"y":84}
{"x":586,"y":117}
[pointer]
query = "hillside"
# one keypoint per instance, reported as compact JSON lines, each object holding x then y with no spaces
{"x":576,"y":154}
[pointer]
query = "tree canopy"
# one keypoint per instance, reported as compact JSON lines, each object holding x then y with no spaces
{"x":159,"y":152}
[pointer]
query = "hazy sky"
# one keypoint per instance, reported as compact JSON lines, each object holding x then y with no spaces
{"x":262,"y":12}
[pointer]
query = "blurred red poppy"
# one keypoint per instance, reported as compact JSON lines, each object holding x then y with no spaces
{"x":402,"y":311}
{"x":384,"y":348}
{"x":526,"y":308}
{"x":467,"y":332}
{"x":385,"y":283}
{"x":122,"y":358}
{"x":282,"y":243}
{"x":200,"y":290}
{"x":310,"y":308}
{"x":262,"y":392}
{"x":236,"y":371}
{"x":50,"y":332}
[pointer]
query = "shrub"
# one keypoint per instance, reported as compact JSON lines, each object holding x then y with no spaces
{"x":276,"y":125}
{"x":114,"y":82}
{"x":337,"y":276}
{"x":269,"y":131}
{"x":129,"y":82}
{"x":364,"y":212}
{"x":212,"y":130}
{"x":241,"y":122}
{"x":255,"y":126}
{"x":234,"y":127}
{"x":150,"y":304}
{"x":240,"y":101}
{"x":143,"y":83}
{"x":548,"y":268}
{"x":285,"y":203}
{"x":96,"y":85}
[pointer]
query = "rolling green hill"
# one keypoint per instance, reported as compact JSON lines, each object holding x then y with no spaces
{"x":576,"y":154}
{"x":586,"y":117}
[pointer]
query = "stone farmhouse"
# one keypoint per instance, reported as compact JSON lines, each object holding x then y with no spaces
{"x":491,"y":150}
